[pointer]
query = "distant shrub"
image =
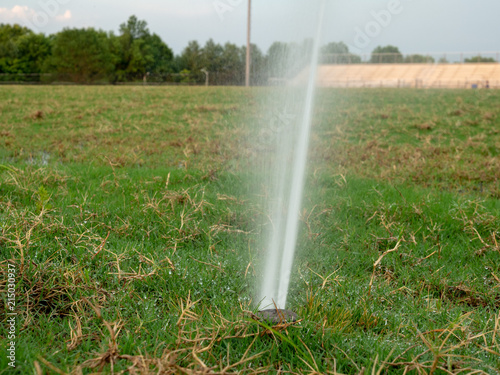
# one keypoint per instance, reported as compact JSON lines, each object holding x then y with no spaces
{"x":480,"y":59}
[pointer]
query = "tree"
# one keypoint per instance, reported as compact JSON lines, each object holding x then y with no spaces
{"x":133,"y":55}
{"x":286,"y":60}
{"x":258,"y":67}
{"x":134,"y":28}
{"x":9,"y":34}
{"x":189,"y":63}
{"x":233,"y":62}
{"x":225,"y":64}
{"x":418,"y":59}
{"x":32,"y":52}
{"x":277,"y":59}
{"x":190,"y":58}
{"x":211,"y":56}
{"x":162,"y":56}
{"x":139,"y":52}
{"x":385,"y":55}
{"x":233,"y":58}
{"x":21,"y":50}
{"x":129,"y":60}
{"x":300,"y":55}
{"x":176,"y":64}
{"x":81,"y":55}
{"x":480,"y":59}
{"x":338,"y":53}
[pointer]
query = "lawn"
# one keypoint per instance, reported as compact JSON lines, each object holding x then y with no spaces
{"x":131,"y":221}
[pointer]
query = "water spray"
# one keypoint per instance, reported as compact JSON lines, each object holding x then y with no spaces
{"x":281,"y":248}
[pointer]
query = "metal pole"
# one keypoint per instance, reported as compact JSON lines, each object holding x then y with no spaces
{"x":247,"y":73}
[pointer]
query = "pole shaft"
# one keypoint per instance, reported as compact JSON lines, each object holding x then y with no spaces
{"x":249,"y":22}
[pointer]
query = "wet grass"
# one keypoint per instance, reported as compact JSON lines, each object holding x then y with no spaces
{"x":437,"y":139}
{"x":130,"y":218}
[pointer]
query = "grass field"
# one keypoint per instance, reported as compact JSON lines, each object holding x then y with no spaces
{"x":129,"y":222}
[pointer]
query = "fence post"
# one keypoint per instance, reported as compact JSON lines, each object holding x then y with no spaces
{"x":206,"y":75}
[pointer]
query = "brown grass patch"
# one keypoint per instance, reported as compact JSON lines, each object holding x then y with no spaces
{"x":38,"y":115}
{"x":426,"y":126}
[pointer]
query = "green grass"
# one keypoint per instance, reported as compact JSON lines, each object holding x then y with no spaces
{"x":131,"y":217}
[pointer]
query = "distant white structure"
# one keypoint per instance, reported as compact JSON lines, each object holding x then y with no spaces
{"x":469,"y":75}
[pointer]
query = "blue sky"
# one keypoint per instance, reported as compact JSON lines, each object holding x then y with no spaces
{"x":412,"y":25}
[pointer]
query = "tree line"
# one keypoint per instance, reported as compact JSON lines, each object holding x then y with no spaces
{"x":135,"y":54}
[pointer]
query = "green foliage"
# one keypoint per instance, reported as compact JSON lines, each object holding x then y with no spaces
{"x":334,"y":47}
{"x":133,"y":57}
{"x":186,"y":76}
{"x":6,"y":167}
{"x":135,"y":28}
{"x":286,"y":60}
{"x":226,"y":63}
{"x":233,"y":57}
{"x":33,"y":51}
{"x":42,"y":202}
{"x":84,"y":55}
{"x":258,"y":67}
{"x":386,"y":55}
{"x":190,"y":57}
{"x":277,"y":57}
{"x":139,"y":52}
{"x":211,"y":56}
{"x":338,"y":53}
{"x":81,"y":56}
{"x":419,"y":59}
{"x":22,"y":52}
{"x":480,"y":59}
{"x":161,"y":62}
{"x":9,"y":34}
{"x":8,"y":48}
{"x":136,"y":54}
{"x":233,"y":61}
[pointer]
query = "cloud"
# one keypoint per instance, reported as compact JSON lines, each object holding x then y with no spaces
{"x":64,"y":17}
{"x":20,"y":13}
{"x":27,"y":16}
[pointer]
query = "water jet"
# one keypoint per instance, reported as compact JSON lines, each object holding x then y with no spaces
{"x":287,"y":183}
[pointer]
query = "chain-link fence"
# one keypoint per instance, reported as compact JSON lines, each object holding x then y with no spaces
{"x":190,"y":78}
{"x":442,"y":70}
{"x":196,"y":78}
{"x":413,"y":58}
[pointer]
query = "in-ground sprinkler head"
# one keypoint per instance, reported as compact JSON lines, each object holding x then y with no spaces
{"x":277,"y":316}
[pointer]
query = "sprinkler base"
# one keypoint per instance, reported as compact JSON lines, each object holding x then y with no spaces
{"x":277,"y":316}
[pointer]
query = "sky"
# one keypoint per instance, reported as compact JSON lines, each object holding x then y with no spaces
{"x":414,"y":26}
